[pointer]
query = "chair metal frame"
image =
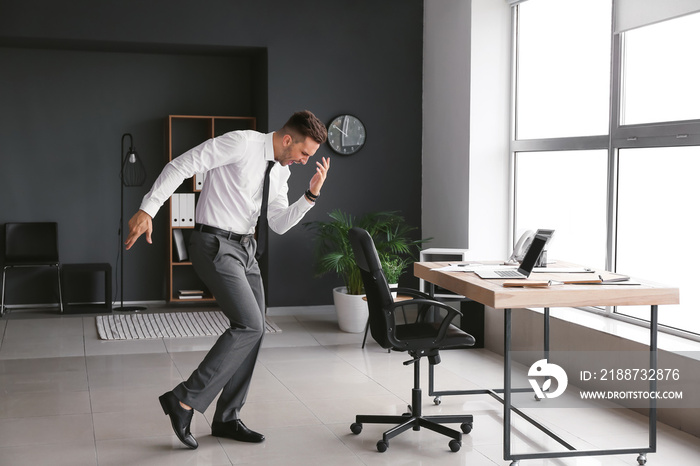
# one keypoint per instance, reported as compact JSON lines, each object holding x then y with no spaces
{"x":47,"y":257}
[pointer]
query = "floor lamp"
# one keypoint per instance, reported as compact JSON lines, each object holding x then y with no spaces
{"x":132,"y":173}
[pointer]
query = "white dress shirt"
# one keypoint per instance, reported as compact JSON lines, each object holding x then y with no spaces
{"x":231,"y":197}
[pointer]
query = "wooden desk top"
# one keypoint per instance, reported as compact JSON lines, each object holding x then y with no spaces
{"x":492,"y":293}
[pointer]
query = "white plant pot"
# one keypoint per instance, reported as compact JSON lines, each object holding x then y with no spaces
{"x":352,"y":310}
{"x":393,"y":293}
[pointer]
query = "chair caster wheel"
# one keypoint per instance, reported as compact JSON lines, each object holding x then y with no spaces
{"x":642,"y":459}
{"x":437,"y":400}
{"x":466,"y":427}
{"x":455,"y":445}
{"x":382,"y":446}
{"x":515,"y":463}
{"x":356,"y":428}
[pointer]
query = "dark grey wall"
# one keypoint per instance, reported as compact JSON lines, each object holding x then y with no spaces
{"x":76,"y":76}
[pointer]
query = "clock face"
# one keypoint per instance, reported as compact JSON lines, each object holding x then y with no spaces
{"x":346,"y":134}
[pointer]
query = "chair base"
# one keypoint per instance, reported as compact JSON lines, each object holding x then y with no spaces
{"x":404,"y":423}
{"x":415,"y":420}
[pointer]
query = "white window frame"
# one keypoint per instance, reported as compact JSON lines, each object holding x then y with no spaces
{"x":659,"y":134}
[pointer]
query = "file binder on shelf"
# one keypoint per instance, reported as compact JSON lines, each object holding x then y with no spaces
{"x":182,"y":208}
{"x":199,"y":181}
{"x":187,"y":210}
{"x":175,"y":210}
{"x":180,"y":248}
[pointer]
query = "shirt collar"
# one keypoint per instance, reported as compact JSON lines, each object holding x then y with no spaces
{"x":269,"y":149}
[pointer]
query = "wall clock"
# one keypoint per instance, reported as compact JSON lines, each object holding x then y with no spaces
{"x":346,"y":134}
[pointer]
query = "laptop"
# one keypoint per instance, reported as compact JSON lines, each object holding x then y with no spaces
{"x":533,"y":253}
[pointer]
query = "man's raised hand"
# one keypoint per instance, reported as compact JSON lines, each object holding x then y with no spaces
{"x":319,"y":177}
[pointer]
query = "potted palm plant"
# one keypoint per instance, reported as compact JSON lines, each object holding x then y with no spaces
{"x":394,"y":245}
{"x":394,"y":267}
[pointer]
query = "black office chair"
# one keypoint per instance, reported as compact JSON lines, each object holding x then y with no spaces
{"x":31,"y":245}
{"x":422,"y":338}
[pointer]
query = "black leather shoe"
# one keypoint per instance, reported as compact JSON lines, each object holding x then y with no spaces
{"x":235,"y":430}
{"x":180,"y":418}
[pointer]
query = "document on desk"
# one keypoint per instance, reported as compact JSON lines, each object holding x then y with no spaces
{"x":577,"y":279}
{"x":555,"y":275}
{"x":617,"y":279}
{"x":471,"y":267}
{"x":553,"y":280}
{"x":562,"y":270}
{"x":527,"y":283}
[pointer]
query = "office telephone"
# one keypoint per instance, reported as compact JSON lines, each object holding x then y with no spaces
{"x":523,"y":245}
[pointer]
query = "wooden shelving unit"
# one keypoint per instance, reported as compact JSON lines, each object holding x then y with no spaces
{"x":183,"y":133}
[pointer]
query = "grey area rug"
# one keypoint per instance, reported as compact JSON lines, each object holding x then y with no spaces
{"x":166,"y":325}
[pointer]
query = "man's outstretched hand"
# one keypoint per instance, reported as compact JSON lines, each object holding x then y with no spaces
{"x":319,"y":177}
{"x":139,"y":224}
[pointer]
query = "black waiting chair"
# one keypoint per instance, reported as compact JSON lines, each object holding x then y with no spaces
{"x":423,"y":338}
{"x":31,"y":245}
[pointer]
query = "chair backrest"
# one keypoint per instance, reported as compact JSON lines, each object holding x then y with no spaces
{"x":376,"y":286}
{"x":33,"y":243}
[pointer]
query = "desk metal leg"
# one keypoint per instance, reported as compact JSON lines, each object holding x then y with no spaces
{"x":545,"y":343}
{"x":546,"y":333}
{"x":506,"y":383}
{"x":653,"y":364}
{"x":508,"y":389}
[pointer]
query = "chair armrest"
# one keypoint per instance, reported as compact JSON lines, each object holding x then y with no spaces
{"x":411,"y":292}
{"x":444,"y":325}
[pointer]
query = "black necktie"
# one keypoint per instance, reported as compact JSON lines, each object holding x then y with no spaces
{"x":262,"y":221}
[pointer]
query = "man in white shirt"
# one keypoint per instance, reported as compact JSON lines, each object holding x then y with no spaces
{"x":223,"y":252}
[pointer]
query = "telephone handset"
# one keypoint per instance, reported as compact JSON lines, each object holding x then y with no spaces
{"x":521,"y":246}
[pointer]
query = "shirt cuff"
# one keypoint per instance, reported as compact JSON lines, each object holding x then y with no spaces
{"x":150,"y":207}
{"x":306,"y":204}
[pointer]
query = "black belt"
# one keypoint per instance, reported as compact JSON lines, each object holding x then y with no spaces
{"x":229,"y":235}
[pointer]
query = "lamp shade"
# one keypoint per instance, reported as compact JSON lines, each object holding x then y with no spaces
{"x":133,"y":173}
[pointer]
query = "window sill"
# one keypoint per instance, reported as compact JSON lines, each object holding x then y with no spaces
{"x":626,"y":330}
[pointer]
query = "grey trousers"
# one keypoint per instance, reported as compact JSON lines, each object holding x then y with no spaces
{"x":231,"y":273}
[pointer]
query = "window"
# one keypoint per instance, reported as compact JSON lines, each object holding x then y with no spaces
{"x":657,"y":226}
{"x":661,"y":72}
{"x":563,"y":68}
{"x":565,"y":191}
{"x":607,"y":116}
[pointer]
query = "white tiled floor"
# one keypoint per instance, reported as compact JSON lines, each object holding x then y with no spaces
{"x":68,"y":398}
